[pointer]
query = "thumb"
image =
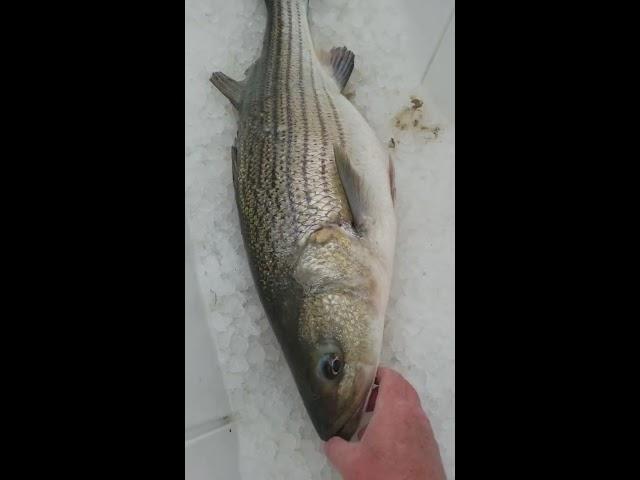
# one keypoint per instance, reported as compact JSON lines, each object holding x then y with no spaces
{"x":342,"y":454}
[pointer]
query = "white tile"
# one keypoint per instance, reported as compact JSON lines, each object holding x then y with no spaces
{"x":426,"y":21}
{"x":212,"y":457}
{"x":440,"y":79}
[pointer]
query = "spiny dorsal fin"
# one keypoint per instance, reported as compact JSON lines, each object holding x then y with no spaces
{"x":234,"y":166}
{"x":340,"y":62}
{"x":230,"y":88}
{"x":353,"y":185}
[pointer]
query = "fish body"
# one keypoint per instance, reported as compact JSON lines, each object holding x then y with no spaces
{"x":314,"y":191}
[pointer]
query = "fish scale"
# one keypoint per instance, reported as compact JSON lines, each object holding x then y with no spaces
{"x":292,"y":192}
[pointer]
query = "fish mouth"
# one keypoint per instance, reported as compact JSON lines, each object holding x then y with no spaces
{"x":348,"y":428}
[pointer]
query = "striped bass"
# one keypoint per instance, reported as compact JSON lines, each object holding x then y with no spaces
{"x":315,"y":191}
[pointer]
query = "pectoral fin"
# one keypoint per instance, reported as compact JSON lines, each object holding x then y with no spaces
{"x":354,"y":188}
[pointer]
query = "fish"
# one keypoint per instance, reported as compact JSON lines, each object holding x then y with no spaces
{"x":315,"y":194}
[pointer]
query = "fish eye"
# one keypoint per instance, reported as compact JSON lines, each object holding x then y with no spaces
{"x":331,"y":365}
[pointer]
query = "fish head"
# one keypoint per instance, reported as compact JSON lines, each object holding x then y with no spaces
{"x":339,"y":332}
{"x":340,"y":363}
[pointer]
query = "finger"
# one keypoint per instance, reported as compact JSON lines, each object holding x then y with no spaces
{"x":386,"y":379}
{"x":386,"y":375}
{"x":342,"y":454}
{"x":394,"y":385}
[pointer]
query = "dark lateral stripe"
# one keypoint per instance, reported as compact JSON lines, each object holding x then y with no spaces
{"x":323,"y":127}
{"x":266,"y":94}
{"x":290,"y":196}
{"x":276,"y":101}
{"x":267,"y":195}
{"x":303,"y":106}
{"x":336,"y":119}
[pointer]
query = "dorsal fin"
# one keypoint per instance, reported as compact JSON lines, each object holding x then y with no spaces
{"x":230,"y":88}
{"x":234,"y":165}
{"x":340,"y":61}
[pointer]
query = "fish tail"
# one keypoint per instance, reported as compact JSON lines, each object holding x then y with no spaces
{"x":272,"y":3}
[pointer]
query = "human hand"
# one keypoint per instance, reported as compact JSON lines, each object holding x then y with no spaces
{"x":398,"y":442}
